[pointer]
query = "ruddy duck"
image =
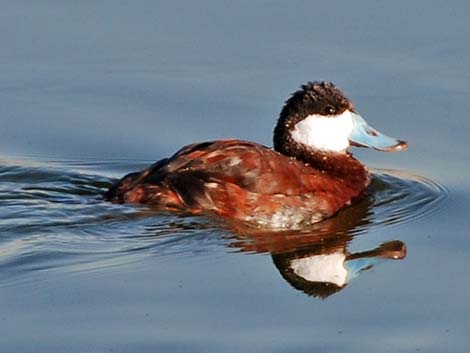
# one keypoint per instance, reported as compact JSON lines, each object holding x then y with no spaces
{"x":309,"y":176}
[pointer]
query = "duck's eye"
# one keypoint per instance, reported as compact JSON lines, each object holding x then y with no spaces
{"x":329,"y":110}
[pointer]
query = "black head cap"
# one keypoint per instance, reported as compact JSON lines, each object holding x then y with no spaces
{"x":322,"y":98}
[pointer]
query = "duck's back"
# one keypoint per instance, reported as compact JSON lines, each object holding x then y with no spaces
{"x":239,"y":180}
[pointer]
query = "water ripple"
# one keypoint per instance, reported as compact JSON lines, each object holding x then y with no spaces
{"x":400,"y":197}
{"x":54,"y":218}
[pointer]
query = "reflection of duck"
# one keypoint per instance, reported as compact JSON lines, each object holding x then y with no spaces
{"x":317,"y":262}
{"x":309,"y":176}
{"x":322,"y":270}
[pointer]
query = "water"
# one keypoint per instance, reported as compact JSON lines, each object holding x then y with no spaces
{"x":56,"y":219}
{"x":90,"y":92}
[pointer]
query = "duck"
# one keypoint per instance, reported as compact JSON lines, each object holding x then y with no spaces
{"x":308,"y":176}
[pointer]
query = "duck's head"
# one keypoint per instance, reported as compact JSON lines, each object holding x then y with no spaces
{"x":319,"y":117}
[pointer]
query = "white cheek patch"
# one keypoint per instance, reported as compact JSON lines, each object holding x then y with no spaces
{"x":325,"y":133}
{"x":322,"y":268}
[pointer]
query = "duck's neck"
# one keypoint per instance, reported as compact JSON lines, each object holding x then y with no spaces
{"x":334,"y":164}
{"x":341,"y":165}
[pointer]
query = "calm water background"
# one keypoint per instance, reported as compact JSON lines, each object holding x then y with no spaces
{"x":90,"y":91}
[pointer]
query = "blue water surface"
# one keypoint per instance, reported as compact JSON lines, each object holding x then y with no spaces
{"x":92,"y":90}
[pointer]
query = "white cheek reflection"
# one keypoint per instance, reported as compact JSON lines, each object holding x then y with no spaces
{"x":325,"y":133}
{"x":322,"y":268}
